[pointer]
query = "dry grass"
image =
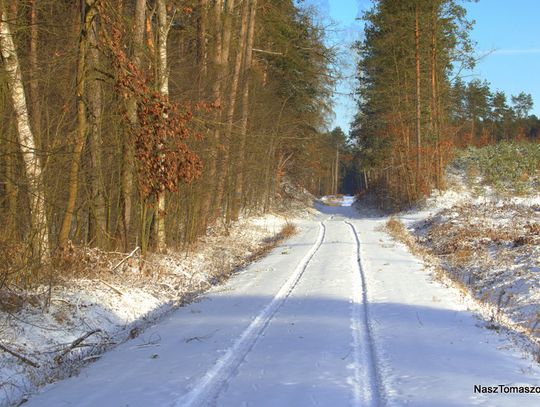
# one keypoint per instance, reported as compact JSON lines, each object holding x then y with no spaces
{"x":287,"y":231}
{"x":476,"y":228}
{"x":490,"y":253}
{"x":398,"y":231}
{"x":156,"y":273}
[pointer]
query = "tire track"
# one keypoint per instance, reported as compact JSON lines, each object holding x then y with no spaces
{"x":210,"y":385}
{"x":366,"y":381}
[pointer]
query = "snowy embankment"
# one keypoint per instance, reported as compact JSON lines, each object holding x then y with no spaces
{"x":111,"y":300}
{"x":487,"y":244}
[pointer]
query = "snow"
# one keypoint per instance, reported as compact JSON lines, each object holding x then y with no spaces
{"x":120,"y":304}
{"x":338,"y":200}
{"x":339,"y":314}
{"x":488,"y":244}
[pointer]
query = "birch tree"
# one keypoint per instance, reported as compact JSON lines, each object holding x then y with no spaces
{"x":164,"y":25}
{"x":39,"y":234}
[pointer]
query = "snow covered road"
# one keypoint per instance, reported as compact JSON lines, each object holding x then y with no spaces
{"x":338,"y":315}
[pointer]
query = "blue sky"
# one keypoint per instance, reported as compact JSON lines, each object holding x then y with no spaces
{"x":506,"y":33}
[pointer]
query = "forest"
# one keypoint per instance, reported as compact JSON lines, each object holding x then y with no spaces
{"x":142,"y":123}
{"x":414,"y":107}
{"x":176,"y":184}
{"x":145,"y":123}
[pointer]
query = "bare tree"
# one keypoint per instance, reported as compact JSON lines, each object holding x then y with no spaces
{"x":97,"y":230}
{"x":127,"y":156}
{"x":88,"y":13}
{"x":164,"y":25}
{"x":240,"y":165}
{"x":27,"y":143}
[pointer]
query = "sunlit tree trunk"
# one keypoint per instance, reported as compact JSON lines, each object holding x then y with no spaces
{"x":32,"y":164}
{"x":34,"y":90}
{"x":163,"y":85}
{"x":211,"y":163}
{"x":231,"y":106}
{"x":98,"y":214}
{"x":127,"y":159}
{"x":88,"y":12}
{"x":418,"y":98}
{"x":220,"y":138}
{"x":240,"y":163}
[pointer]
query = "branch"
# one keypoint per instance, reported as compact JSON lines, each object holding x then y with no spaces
{"x":74,"y":344}
{"x":21,"y":357}
{"x":125,"y":258}
{"x":262,"y":51}
{"x":116,"y":290}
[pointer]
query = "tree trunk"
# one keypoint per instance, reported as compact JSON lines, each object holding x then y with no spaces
{"x":32,"y":163}
{"x":220,"y":137}
{"x":202,"y":54}
{"x":11,"y":188}
{"x":418,"y":99}
{"x":127,"y":164}
{"x":336,"y":183}
{"x":98,"y":214}
{"x":88,"y":12}
{"x":240,"y":163}
{"x":34,"y":92}
{"x":163,"y":85}
{"x":231,"y":106}
{"x":216,"y":95}
{"x":435,"y":98}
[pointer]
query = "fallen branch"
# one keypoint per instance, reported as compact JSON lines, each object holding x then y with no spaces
{"x":74,"y":344}
{"x":125,"y":259}
{"x":93,"y":357}
{"x":19,"y":356}
{"x":116,"y":290}
{"x":201,"y":338}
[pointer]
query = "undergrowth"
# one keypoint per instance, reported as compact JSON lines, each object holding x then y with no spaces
{"x":473,"y":255}
{"x":508,"y":167}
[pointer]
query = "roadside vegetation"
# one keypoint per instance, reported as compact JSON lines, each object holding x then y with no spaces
{"x":508,"y":167}
{"x":483,"y":233}
{"x":149,"y":124}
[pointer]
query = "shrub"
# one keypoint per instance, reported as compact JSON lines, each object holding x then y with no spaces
{"x":507,"y":167}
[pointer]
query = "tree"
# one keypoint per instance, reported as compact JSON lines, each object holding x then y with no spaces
{"x":477,"y":104}
{"x":403,"y":122}
{"x":88,"y":12}
{"x":523,"y":104}
{"x":113,"y":124}
{"x":247,"y":65}
{"x":139,"y":20}
{"x":164,"y":25}
{"x":39,"y":232}
{"x":501,"y":116}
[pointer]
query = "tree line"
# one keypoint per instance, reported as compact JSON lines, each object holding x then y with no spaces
{"x":144,"y":122}
{"x":488,"y":117}
{"x":413,"y":109}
